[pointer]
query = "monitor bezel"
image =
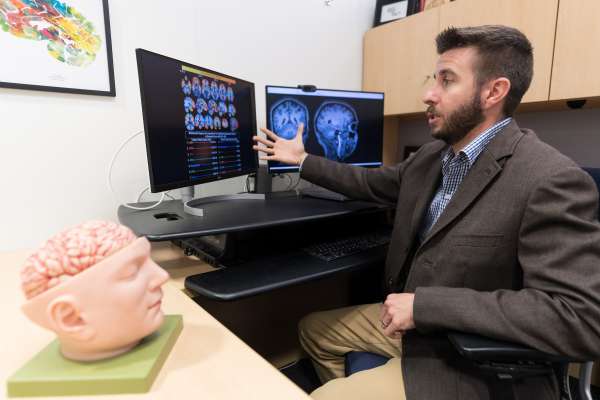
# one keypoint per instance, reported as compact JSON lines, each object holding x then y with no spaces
{"x":297,"y":168}
{"x":156,"y":188}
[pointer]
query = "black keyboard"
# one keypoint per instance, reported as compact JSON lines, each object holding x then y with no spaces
{"x":329,"y":251}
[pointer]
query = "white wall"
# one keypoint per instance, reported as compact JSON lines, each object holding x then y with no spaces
{"x":56,"y":147}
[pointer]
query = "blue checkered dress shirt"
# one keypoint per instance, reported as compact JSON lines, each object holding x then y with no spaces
{"x":454,"y":169}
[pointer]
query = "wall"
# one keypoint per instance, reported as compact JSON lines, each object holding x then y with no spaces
{"x":56,"y":147}
{"x":576,"y":133}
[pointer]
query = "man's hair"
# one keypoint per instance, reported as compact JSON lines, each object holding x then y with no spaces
{"x":503,"y":52}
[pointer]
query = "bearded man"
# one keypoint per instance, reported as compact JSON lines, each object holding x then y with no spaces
{"x":495,"y":234}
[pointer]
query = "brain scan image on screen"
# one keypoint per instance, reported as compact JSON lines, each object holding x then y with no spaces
{"x":214,"y":90}
{"x":230,"y":94}
{"x":205,"y":89}
{"x":208,"y":122}
{"x":212,"y":107}
{"x":231,"y":110}
{"x":222,"y":108}
{"x":188,"y":104}
{"x":233,"y":123}
{"x":189,"y":122}
{"x":222,"y":92}
{"x":217,"y":123}
{"x":336,"y":129}
{"x":286,"y":115}
{"x":198,"y":121}
{"x":225,"y":123}
{"x":201,"y":105}
{"x":196,"y":86}
{"x":186,"y":86}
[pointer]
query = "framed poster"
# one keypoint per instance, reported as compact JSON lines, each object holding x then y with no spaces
{"x":391,"y":10}
{"x":57,"y":46}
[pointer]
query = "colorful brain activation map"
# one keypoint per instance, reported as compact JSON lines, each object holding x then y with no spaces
{"x":69,"y":37}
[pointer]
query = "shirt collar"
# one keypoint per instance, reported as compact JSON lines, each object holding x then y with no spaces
{"x":477,"y":145}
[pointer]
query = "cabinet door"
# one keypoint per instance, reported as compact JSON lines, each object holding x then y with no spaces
{"x":535,"y":18}
{"x":576,"y":57}
{"x":399,"y":59}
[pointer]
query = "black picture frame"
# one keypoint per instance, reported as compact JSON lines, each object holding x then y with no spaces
{"x":412,"y":7}
{"x":103,"y":56}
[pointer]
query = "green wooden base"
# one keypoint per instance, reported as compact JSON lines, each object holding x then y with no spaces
{"x":50,"y":374}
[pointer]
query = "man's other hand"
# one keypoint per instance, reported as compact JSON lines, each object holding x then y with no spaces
{"x":282,"y":150}
{"x":397,"y":314}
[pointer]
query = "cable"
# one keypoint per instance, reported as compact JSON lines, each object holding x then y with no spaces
{"x":110,"y":186}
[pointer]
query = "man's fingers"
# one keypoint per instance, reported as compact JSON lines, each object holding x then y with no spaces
{"x":270,"y":134}
{"x":267,"y":158}
{"x":264,"y":149}
{"x":299,"y":131}
{"x":263,"y":141}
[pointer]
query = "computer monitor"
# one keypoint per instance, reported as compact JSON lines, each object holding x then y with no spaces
{"x":198,"y":123}
{"x":341,"y":125}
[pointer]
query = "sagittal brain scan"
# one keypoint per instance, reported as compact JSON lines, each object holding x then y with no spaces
{"x":336,"y":128}
{"x":285,"y":117}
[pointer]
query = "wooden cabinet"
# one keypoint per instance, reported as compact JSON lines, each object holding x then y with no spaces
{"x":399,"y":59}
{"x":576,"y":67}
{"x":535,"y":18}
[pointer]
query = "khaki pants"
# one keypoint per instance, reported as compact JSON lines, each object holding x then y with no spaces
{"x":327,"y":336}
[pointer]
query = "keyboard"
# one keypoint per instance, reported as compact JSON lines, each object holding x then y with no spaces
{"x":329,"y":251}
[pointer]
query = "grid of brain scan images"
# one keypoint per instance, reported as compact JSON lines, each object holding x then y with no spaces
{"x":334,"y":125}
{"x":213,"y":146}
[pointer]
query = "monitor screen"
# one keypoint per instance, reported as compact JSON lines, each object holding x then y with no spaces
{"x":341,"y":125}
{"x":198,"y":123}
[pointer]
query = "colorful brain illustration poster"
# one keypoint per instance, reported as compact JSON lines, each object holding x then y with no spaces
{"x":56,"y":45}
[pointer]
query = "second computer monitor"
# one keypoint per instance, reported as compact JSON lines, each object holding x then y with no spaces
{"x":341,"y":125}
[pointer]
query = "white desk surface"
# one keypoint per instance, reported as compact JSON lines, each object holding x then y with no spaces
{"x":208,"y":362}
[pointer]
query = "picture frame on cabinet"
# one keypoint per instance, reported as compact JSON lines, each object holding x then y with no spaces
{"x":392,"y":10}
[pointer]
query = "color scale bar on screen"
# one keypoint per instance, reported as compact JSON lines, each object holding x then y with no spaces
{"x":207,"y":74}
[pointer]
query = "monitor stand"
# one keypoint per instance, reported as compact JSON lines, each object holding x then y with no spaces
{"x":193,"y":206}
{"x":320,"y":192}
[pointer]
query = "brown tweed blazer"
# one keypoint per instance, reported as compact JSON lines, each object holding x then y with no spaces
{"x":514,"y":256}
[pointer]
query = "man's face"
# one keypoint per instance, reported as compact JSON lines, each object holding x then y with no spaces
{"x":454,"y":103}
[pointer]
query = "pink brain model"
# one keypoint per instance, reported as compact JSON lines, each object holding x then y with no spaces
{"x":71,"y":252}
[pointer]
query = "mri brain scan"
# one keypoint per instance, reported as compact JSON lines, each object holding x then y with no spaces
{"x":222,"y":92}
{"x":196,"y":86}
{"x":201,"y":105}
{"x":234,"y":124}
{"x":186,"y":86}
{"x":285,"y":117}
{"x":199,"y":121}
{"x":208,"y":122}
{"x":188,"y":104}
{"x":222,"y":108}
{"x":205,"y":89}
{"x":214,"y":90}
{"x":217,"y":123}
{"x":232,"y":110}
{"x":225,"y":123}
{"x":189,"y":122}
{"x":230,"y":94}
{"x":336,"y":128}
{"x":212,"y":107}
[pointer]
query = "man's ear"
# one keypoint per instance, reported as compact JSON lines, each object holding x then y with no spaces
{"x":495,"y":92}
{"x":65,"y":315}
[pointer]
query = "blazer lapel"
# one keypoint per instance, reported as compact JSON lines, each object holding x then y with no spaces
{"x":479,"y":177}
{"x":430,"y":184}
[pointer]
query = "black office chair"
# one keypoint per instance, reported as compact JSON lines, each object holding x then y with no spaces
{"x":501,"y":361}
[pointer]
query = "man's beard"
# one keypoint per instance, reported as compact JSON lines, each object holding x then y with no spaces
{"x":457,"y":124}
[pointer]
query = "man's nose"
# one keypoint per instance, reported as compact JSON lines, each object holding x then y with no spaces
{"x":430,"y":97}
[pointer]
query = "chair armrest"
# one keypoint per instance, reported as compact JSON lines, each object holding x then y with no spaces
{"x":479,"y":349}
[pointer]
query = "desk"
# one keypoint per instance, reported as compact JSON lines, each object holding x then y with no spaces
{"x":207,"y":362}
